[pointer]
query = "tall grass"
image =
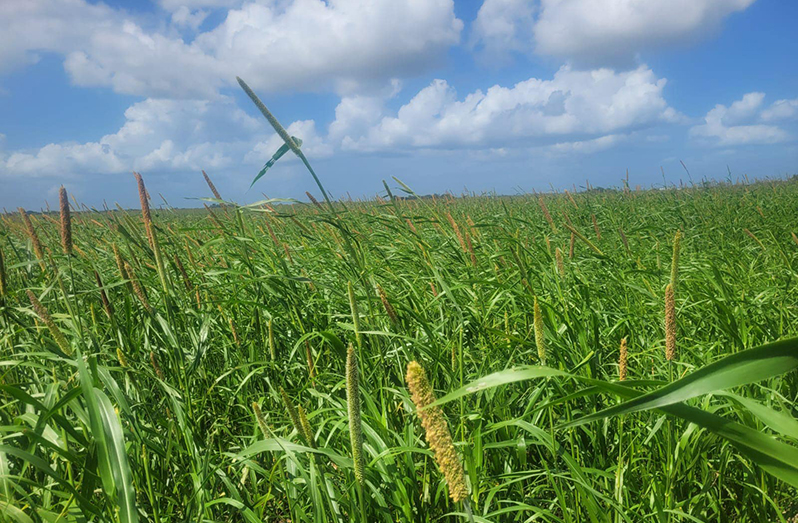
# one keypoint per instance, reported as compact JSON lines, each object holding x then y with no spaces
{"x":264,"y":379}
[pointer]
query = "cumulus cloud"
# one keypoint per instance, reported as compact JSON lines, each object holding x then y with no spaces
{"x":781,"y":110}
{"x":157,"y":136}
{"x":574,"y":106}
{"x":292,"y":44}
{"x":502,"y":27}
{"x":599,"y":32}
{"x":741,"y":122}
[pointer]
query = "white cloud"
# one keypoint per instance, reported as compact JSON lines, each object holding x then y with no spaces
{"x":588,"y":146}
{"x":185,"y":17}
{"x":781,"y":110}
{"x":157,"y":136}
{"x":573,"y":106}
{"x":740,"y":123}
{"x":289,"y":44}
{"x":599,"y":32}
{"x":501,"y":27}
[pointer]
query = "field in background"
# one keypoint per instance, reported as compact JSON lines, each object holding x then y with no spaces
{"x":180,"y":334}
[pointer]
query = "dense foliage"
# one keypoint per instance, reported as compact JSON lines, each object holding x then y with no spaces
{"x":128,"y":379}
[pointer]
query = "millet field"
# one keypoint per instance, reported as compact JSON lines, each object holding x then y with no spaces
{"x":587,"y":356}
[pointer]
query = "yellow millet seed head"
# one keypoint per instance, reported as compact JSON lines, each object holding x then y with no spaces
{"x":121,"y":357}
{"x":670,"y":324}
{"x":353,"y":410}
{"x":437,"y":431}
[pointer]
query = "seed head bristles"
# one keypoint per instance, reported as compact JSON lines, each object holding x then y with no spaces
{"x":437,"y":431}
{"x":560,"y":263}
{"x":596,"y":227}
{"x":571,"y":198}
{"x":156,"y":367}
{"x":353,"y":409}
{"x":288,"y":253}
{"x":261,"y":420}
{"x":145,"y":207}
{"x":109,"y":310}
{"x":236,"y":339}
{"x":433,"y":289}
{"x":670,"y":323}
{"x":119,"y":262}
{"x":387,"y":305}
{"x":289,"y":407}
{"x":624,"y":240}
{"x":457,"y":232}
{"x":677,"y":240}
{"x":470,"y":249}
{"x":55,"y":332}
{"x":66,"y":221}
{"x":34,"y":238}
{"x":120,"y":356}
{"x":350,"y":290}
{"x":311,"y":365}
{"x":272,"y":348}
{"x":214,"y":218}
{"x":585,"y":240}
{"x":303,"y":420}
{"x":622,"y":363}
{"x":313,"y":200}
{"x":137,"y":288}
{"x":271,"y":233}
{"x":213,"y":188}
{"x":412,"y":227}
{"x":571,"y":246}
{"x":794,"y":238}
{"x":183,"y":274}
{"x":547,"y":214}
{"x":753,"y":237}
{"x":540,"y":341}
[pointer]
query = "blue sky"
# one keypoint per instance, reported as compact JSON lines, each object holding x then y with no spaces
{"x":493,"y":95}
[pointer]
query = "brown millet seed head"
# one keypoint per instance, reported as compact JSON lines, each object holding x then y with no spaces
{"x":145,"y":207}
{"x":437,"y":431}
{"x":66,"y":221}
{"x":55,"y":332}
{"x":212,"y":187}
{"x":387,"y":305}
{"x":109,"y":310}
{"x":34,"y":238}
{"x":156,"y":367}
